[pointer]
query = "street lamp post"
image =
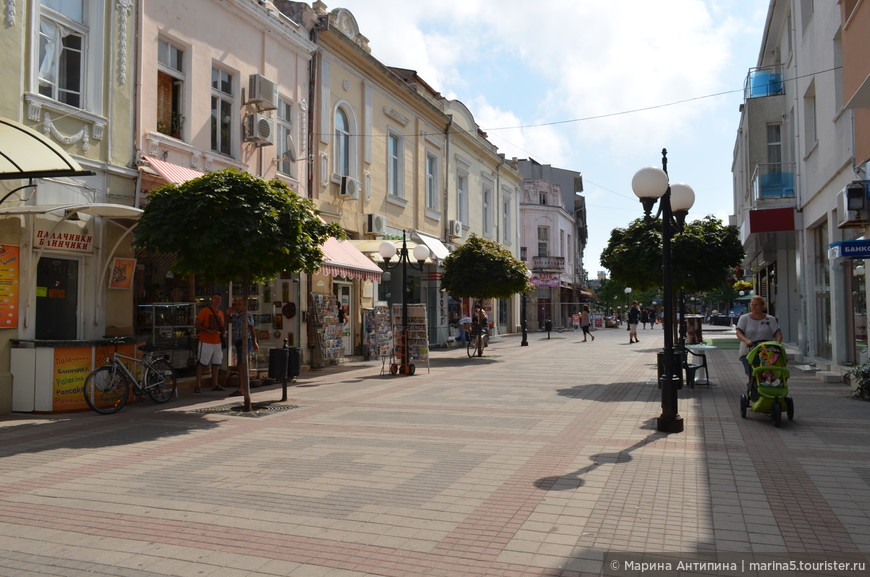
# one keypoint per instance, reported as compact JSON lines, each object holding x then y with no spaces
{"x":387,"y":251}
{"x":525,"y":341}
{"x":651,"y":184}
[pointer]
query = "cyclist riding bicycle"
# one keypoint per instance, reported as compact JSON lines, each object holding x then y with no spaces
{"x":480,"y":322}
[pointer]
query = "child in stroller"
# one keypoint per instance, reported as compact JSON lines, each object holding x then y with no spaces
{"x":767,"y":391}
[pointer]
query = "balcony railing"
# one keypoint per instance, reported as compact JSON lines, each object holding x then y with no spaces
{"x":764,"y":81}
{"x":548,"y":263}
{"x":773,"y":181}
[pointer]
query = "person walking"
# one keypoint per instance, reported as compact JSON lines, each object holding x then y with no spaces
{"x":633,"y":319}
{"x":585,"y":322}
{"x":212,"y":328}
{"x":754,"y":327}
{"x":644,"y":318}
{"x":236,"y":316}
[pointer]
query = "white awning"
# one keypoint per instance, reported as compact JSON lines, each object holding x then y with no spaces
{"x":436,"y":247}
{"x":94,"y":209}
{"x":24,"y":154}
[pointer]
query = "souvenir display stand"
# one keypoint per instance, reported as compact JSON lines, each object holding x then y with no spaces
{"x":379,"y":334}
{"x":329,"y":345}
{"x":169,"y":328}
{"x":417,"y":341}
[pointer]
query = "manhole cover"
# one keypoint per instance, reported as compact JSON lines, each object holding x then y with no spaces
{"x":237,"y":409}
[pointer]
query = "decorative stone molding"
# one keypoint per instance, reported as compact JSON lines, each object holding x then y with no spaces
{"x":40,"y":110}
{"x":396,"y":115}
{"x":9,"y":14}
{"x":124,"y":8}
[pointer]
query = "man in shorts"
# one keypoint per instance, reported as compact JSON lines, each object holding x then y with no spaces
{"x":211,"y":326}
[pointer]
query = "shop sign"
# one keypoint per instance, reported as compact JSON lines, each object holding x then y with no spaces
{"x":850,"y":249}
{"x":71,"y":239}
{"x":9,"y":285}
{"x":546,"y":281}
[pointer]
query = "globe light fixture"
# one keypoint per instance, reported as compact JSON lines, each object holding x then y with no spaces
{"x":651,"y":184}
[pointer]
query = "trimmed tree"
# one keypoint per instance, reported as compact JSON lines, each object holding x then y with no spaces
{"x":483,"y":269}
{"x":232,"y":226}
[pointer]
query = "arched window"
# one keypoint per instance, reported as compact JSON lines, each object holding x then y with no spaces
{"x":342,"y":143}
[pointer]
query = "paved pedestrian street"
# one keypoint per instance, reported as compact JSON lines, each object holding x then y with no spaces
{"x":538,"y":460}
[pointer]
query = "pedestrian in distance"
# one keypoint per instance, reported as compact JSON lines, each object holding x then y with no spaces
{"x":644,"y":317}
{"x":633,"y":319}
{"x":585,"y":322}
{"x":212,"y":330}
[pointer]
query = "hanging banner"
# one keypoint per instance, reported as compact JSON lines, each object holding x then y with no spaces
{"x":122,"y":273}
{"x":9,"y":286}
{"x":545,"y":281}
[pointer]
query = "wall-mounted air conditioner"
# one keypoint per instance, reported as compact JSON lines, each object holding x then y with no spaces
{"x":376,"y":224}
{"x":262,"y":92}
{"x":455,"y":227}
{"x":350,"y":187}
{"x":852,"y":205}
{"x":259,"y":129}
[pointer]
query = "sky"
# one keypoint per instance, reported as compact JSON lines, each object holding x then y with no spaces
{"x":588,"y":85}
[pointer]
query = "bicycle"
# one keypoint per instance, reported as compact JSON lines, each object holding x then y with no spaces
{"x":477,"y":340}
{"x":107,"y":388}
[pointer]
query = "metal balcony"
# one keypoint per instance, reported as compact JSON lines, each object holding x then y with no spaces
{"x":763,"y":81}
{"x":772,"y":181}
{"x":551,"y":264}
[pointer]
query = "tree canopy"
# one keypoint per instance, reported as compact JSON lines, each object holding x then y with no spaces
{"x":703,"y":254}
{"x":233,"y":226}
{"x":484,"y":269}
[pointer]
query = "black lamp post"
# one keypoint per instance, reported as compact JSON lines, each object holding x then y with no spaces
{"x":525,"y":341}
{"x":387,"y":251}
{"x":651,"y":184}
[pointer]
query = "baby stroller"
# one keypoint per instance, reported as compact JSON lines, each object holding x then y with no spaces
{"x":767,"y":391}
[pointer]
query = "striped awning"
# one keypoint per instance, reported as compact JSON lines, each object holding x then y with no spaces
{"x":343,"y":259}
{"x":172,"y":173}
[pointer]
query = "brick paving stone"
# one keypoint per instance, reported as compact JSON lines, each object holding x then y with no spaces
{"x":530,"y":461}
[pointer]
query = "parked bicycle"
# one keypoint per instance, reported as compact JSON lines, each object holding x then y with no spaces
{"x":478,"y":339}
{"x":107,"y":389}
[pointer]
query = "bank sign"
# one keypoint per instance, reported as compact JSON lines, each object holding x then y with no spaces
{"x":850,"y":249}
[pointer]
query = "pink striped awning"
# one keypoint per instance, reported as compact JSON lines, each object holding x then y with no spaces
{"x":172,"y":173}
{"x":343,"y":259}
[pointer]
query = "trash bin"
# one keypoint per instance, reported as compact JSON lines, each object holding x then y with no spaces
{"x":694,"y":335}
{"x":548,"y":325}
{"x":278,"y":363}
{"x":294,"y":368}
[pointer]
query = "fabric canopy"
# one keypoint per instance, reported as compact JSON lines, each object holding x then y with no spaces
{"x":172,"y":173}
{"x":435,"y":246}
{"x":93,"y":209}
{"x":24,"y":154}
{"x":343,"y":259}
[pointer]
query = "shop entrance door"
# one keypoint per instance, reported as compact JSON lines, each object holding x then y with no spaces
{"x":57,"y":298}
{"x":343,"y":293}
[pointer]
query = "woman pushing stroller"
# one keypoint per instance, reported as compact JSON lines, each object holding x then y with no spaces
{"x":755,"y":327}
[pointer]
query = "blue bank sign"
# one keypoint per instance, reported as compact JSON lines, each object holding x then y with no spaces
{"x":850,"y":249}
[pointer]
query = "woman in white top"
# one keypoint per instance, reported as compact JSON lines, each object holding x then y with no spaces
{"x":754,"y":327}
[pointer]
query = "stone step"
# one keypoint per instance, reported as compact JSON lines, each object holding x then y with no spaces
{"x":829,"y":377}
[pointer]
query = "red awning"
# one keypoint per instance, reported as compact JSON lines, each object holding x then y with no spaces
{"x":173,"y":173}
{"x":343,"y":259}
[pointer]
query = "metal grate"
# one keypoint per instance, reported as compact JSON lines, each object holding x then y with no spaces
{"x":262,"y":409}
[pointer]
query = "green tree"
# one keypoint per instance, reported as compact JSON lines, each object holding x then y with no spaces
{"x":703,"y":255}
{"x":483,"y":269}
{"x":232,"y":226}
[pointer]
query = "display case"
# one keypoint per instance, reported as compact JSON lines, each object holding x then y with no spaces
{"x":379,"y":333}
{"x":169,"y":327}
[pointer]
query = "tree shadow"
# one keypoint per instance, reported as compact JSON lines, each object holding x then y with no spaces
{"x":573,"y":480}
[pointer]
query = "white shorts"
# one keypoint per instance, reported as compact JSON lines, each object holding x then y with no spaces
{"x":210,"y":354}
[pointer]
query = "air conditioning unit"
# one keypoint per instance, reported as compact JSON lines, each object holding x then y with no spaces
{"x":350,"y":187}
{"x":262,"y":92}
{"x":377,"y":224}
{"x":259,"y":129}
{"x":455,"y":229}
{"x":852,"y":205}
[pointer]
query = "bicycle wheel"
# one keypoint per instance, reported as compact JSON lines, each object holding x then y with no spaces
{"x":160,"y":381}
{"x":470,"y":348}
{"x":106,"y":390}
